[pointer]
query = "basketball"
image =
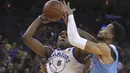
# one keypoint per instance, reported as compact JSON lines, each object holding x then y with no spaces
{"x":53,"y":10}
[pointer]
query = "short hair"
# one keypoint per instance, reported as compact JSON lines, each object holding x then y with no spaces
{"x":119,"y":32}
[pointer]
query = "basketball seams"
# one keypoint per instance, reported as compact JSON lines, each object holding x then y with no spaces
{"x":55,"y":9}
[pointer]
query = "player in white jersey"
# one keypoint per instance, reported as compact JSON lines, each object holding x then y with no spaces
{"x":65,"y":58}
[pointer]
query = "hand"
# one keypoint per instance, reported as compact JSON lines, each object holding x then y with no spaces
{"x":44,"y":19}
{"x":67,"y":11}
{"x":43,"y":68}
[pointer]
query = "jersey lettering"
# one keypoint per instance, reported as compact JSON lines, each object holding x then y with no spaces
{"x":59,"y":62}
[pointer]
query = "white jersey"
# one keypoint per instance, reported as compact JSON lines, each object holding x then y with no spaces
{"x":63,"y":61}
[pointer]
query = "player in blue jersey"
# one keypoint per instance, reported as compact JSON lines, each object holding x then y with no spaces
{"x":105,"y":55}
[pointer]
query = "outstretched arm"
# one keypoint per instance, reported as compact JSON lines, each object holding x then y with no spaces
{"x":76,"y":40}
{"x":86,"y":35}
{"x":81,"y":32}
{"x":33,"y":43}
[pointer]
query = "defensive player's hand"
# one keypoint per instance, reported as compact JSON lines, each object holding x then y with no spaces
{"x":67,"y":11}
{"x":44,"y":19}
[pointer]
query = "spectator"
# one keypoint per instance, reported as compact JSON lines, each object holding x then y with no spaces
{"x":13,"y":51}
{"x":21,"y":51}
{"x":37,"y":62}
{"x":6,"y":44}
{"x":10,"y":68}
{"x":21,"y":66}
{"x":2,"y":68}
{"x":27,"y":70}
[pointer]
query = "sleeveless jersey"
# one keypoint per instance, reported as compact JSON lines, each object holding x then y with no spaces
{"x":98,"y":67}
{"x":63,"y":61}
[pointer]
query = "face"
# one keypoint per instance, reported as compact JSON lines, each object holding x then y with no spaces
{"x":63,"y":40}
{"x":14,"y":45}
{"x":20,"y":47}
{"x":10,"y":66}
{"x":26,"y":70}
{"x":106,"y":33}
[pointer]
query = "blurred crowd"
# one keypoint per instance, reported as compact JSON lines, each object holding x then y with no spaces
{"x":15,"y":57}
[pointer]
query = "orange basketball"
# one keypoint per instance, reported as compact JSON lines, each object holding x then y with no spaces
{"x":53,"y":9}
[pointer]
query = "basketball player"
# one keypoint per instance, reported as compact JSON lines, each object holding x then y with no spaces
{"x":105,"y":55}
{"x":61,"y":60}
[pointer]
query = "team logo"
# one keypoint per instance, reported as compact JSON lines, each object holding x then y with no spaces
{"x":57,"y":62}
{"x":57,"y":65}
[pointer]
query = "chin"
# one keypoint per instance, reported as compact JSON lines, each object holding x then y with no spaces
{"x":63,"y":45}
{"x":99,"y":38}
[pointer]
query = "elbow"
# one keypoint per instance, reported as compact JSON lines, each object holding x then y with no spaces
{"x":25,"y":38}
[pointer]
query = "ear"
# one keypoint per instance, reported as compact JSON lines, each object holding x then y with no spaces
{"x":110,"y":36}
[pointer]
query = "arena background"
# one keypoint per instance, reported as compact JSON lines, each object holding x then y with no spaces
{"x":90,"y":15}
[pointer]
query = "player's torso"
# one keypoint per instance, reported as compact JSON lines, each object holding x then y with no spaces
{"x":99,"y":67}
{"x":63,"y":61}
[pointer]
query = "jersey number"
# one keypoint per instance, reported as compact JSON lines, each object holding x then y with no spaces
{"x":59,"y":62}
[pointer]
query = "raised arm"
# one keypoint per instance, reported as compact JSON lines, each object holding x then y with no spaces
{"x":33,"y":43}
{"x":76,"y":40}
{"x":86,"y":35}
{"x":81,"y":32}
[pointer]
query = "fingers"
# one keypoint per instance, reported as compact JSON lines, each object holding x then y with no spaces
{"x":68,"y":4}
{"x":65,"y":18}
{"x":61,"y":2}
{"x":64,"y":2}
{"x":74,"y":9}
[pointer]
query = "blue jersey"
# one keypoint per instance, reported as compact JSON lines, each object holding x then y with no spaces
{"x":99,"y":67}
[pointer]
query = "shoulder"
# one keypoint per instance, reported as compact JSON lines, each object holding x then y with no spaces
{"x":78,"y":51}
{"x":104,"y":48}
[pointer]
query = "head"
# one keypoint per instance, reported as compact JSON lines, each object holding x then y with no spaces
{"x":63,"y":41}
{"x":5,"y":41}
{"x":10,"y":66}
{"x":21,"y":47}
{"x":113,"y":33}
{"x":14,"y":45}
{"x":26,"y":70}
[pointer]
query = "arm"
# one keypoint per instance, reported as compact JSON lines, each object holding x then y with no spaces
{"x":79,"y":42}
{"x":31,"y":42}
{"x":43,"y":69}
{"x":87,"y":64}
{"x":86,"y":35}
{"x":81,"y":32}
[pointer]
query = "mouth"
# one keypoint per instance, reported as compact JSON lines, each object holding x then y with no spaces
{"x":62,"y":39}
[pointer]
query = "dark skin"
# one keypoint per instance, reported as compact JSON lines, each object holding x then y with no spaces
{"x":100,"y":48}
{"x":62,"y":42}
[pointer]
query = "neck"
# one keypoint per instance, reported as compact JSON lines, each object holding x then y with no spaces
{"x":106,"y":41}
{"x":61,"y":48}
